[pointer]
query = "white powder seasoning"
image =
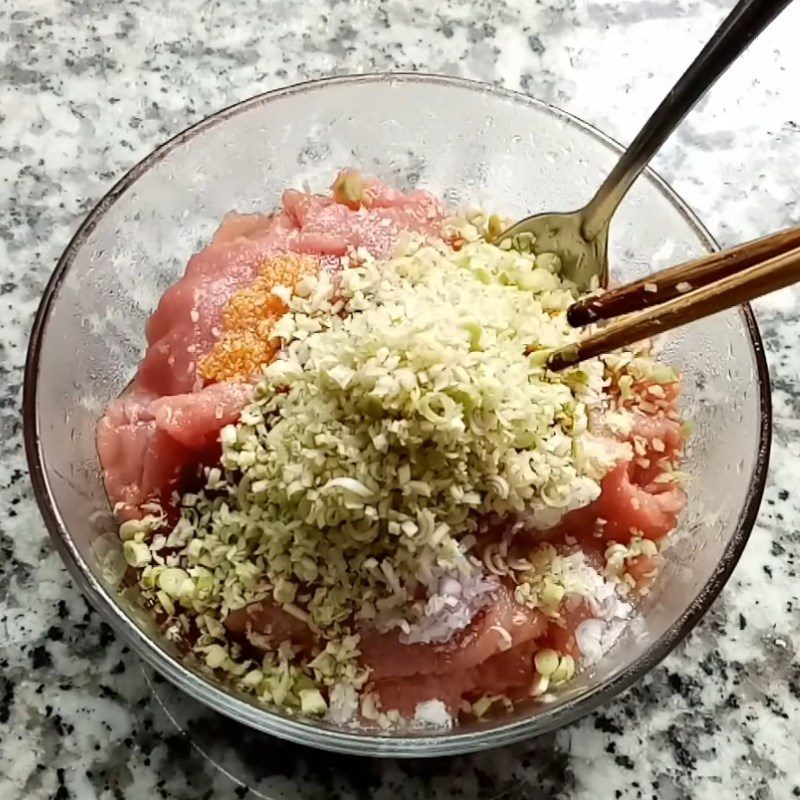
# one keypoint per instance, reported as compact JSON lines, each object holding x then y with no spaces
{"x":432,"y":714}
{"x":454,"y":600}
{"x":343,"y":704}
{"x":596,"y":636}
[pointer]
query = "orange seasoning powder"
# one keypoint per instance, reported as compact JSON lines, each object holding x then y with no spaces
{"x":248,"y":318}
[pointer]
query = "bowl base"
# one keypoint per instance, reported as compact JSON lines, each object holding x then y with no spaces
{"x":239,"y":761}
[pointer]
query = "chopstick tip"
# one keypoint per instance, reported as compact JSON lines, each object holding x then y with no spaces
{"x":581,"y":313}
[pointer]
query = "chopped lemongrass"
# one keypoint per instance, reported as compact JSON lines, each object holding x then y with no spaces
{"x":546,"y":662}
{"x":312,"y":702}
{"x":215,"y":656}
{"x":661,"y":373}
{"x":137,"y":554}
{"x":564,"y":671}
{"x":349,"y":188}
{"x":482,"y":705}
{"x":172,"y":579}
{"x":541,"y":683}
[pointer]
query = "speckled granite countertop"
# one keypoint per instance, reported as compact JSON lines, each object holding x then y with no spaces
{"x":87,"y":89}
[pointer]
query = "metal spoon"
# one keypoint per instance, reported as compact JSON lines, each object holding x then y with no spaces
{"x":581,"y":237}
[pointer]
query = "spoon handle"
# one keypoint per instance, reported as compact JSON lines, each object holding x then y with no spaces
{"x":745,"y":22}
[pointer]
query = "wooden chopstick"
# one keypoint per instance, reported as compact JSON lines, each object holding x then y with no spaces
{"x":668,"y":284}
{"x":732,"y":290}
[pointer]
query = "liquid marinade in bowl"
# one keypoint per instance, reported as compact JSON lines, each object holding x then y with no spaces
{"x":344,"y":487}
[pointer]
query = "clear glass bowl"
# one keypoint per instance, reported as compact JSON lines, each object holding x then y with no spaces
{"x":475,"y":145}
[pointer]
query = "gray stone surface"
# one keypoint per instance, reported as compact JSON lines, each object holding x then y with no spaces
{"x":88,"y":88}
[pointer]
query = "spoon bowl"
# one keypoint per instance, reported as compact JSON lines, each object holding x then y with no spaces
{"x":583,"y":261}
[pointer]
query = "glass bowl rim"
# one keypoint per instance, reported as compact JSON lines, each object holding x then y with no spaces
{"x":262,"y":719}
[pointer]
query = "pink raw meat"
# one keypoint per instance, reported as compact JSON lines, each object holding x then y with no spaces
{"x":633,"y":501}
{"x":149,"y":438}
{"x":487,"y":635}
{"x":510,"y":673}
{"x":625,"y":509}
{"x":377,"y":221}
{"x":195,"y":419}
{"x":147,"y":443}
{"x":663,"y":444}
{"x":266,"y":626}
{"x":188,"y":319}
{"x":480,"y":659}
{"x":247,"y":226}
